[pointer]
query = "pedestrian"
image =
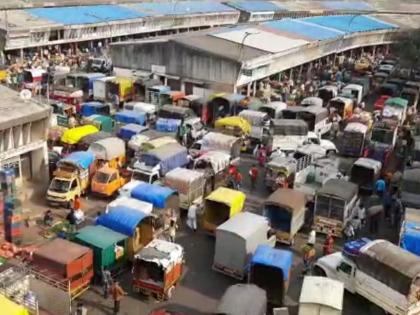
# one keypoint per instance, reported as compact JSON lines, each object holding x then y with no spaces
{"x":117,"y":294}
{"x":308,"y":257}
{"x":172,"y":230}
{"x":396,"y":210}
{"x":262,"y":155}
{"x":328,"y":247}
{"x":192,"y":217}
{"x":312,"y":237}
{"x":349,"y":231}
{"x":238,"y":180}
{"x":335,"y":119}
{"x":77,"y":204}
{"x":362,"y":105}
{"x":374,"y":215}
{"x":98,"y":214}
{"x":48,"y":218}
{"x":106,"y":282}
{"x":361,"y":214}
{"x":71,"y":219}
{"x":253,"y":175}
{"x":380,"y":187}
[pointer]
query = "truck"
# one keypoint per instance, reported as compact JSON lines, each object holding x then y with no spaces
{"x":381,"y":272}
{"x":154,"y":164}
{"x":289,"y":134}
{"x":107,"y":181}
{"x":71,"y":178}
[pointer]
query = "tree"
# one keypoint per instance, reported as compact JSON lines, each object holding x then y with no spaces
{"x":407,"y":48}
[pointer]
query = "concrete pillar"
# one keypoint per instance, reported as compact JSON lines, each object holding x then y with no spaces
{"x":387,"y":49}
{"x":248,"y":89}
{"x":165,"y":81}
{"x":182,"y":86}
{"x":373,"y":51}
{"x":254,"y":88}
{"x":39,"y":164}
{"x":21,"y":53}
{"x":291,"y":73}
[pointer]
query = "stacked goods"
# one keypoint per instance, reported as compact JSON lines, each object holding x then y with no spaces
{"x":12,"y":210}
{"x":65,"y":261}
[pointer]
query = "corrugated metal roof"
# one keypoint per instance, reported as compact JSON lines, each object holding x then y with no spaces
{"x":220,"y":47}
{"x":309,"y":30}
{"x":350,"y":23}
{"x":85,"y":14}
{"x":181,"y":8}
{"x":256,"y":6}
{"x":347,"y":5}
{"x":260,"y":39}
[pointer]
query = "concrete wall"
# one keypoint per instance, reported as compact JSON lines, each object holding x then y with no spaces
{"x":178,"y":60}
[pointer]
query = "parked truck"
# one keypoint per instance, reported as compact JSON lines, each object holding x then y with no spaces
{"x":383,"y":273}
{"x":154,"y":164}
{"x":71,"y":178}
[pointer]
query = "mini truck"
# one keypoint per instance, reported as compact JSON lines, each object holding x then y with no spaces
{"x":383,"y":273}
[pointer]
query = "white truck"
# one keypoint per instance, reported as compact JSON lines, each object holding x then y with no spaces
{"x":381,"y":272}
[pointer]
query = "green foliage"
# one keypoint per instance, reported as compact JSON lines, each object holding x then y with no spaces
{"x":407,"y":48}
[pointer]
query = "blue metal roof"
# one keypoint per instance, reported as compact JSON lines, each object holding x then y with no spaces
{"x":346,"y":5}
{"x":304,"y":28}
{"x":82,"y":159}
{"x":350,"y":23}
{"x":122,"y":219}
{"x":154,"y":194}
{"x":85,"y":14}
{"x":273,"y":257}
{"x":182,"y":8}
{"x":256,"y":6}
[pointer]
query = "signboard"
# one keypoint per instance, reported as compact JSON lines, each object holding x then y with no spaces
{"x":158,"y":69}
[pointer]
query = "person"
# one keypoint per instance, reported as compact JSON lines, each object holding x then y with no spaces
{"x":238,"y":180}
{"x":262,"y":155}
{"x":98,"y":214}
{"x":328,"y":247}
{"x":335,"y":122}
{"x":312,"y":238}
{"x":106,"y":282}
{"x":349,"y":231}
{"x":361,"y":214}
{"x":380,"y":187}
{"x":308,"y":256}
{"x":253,"y":174}
{"x":362,"y":105}
{"x":117,"y":294}
{"x":192,"y":217}
{"x":172,"y":230}
{"x":48,"y":218}
{"x":397,"y":210}
{"x":71,"y":219}
{"x":374,"y":214}
{"x":77,"y":203}
{"x":281,"y":181}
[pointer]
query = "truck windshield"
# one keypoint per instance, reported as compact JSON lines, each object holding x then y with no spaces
{"x":59,"y":185}
{"x":101,"y":177}
{"x":330,"y":207}
{"x":141,"y":176}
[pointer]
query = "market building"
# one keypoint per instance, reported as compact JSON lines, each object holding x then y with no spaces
{"x":235,"y":58}
{"x":23,"y":136}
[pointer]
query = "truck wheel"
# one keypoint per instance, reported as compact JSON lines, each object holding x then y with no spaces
{"x":317,"y":271}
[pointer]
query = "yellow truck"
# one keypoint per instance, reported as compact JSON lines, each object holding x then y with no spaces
{"x":71,"y":179}
{"x":107,"y":181}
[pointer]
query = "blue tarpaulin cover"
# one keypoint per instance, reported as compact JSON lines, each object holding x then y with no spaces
{"x":131,"y":117}
{"x":122,"y":219}
{"x":168,"y":157}
{"x":273,"y":257}
{"x":129,"y":130}
{"x":154,"y":194}
{"x":167,"y":125}
{"x":410,"y":239}
{"x":85,"y":14}
{"x":82,"y":159}
{"x":90,"y":108}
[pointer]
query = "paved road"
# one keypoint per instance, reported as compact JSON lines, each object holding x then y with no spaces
{"x":201,"y":287}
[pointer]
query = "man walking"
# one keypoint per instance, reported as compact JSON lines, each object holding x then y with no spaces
{"x":107,"y":282}
{"x":192,"y":217}
{"x":253,"y":174}
{"x":117,"y":295}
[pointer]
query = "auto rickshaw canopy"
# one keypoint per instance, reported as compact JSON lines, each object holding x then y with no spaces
{"x":289,"y":199}
{"x":273,"y":257}
{"x":234,"y":122}
{"x":232,"y":198}
{"x":73,"y":135}
{"x":396,"y":102}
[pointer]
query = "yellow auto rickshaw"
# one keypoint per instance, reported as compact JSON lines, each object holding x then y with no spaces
{"x":233,"y":126}
{"x":343,"y":105}
{"x":220,"y":206}
{"x":71,"y":137}
{"x":121,"y":87}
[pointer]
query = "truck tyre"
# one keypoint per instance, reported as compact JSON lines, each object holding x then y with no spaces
{"x":317,"y":271}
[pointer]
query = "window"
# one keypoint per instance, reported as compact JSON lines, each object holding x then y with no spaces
{"x":73,"y":184}
{"x":344,"y":267}
{"x":113,"y":177}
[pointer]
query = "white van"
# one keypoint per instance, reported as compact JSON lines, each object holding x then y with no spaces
{"x":355,"y":90}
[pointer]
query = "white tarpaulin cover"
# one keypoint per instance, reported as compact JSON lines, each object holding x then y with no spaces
{"x":108,"y":149}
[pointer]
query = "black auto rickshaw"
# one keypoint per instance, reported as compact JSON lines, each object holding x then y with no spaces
{"x":364,"y":173}
{"x":141,"y":86}
{"x":197,"y":104}
{"x":223,"y":104}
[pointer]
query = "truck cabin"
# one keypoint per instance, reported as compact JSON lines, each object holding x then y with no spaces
{"x":62,"y":183}
{"x":85,"y":82}
{"x":292,"y":112}
{"x":379,"y":78}
{"x":273,"y":109}
{"x":398,"y":82}
{"x":343,"y":106}
{"x":221,"y":105}
{"x":327,"y":92}
{"x":314,"y":117}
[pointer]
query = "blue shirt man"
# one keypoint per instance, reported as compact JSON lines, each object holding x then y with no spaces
{"x":380,"y":186}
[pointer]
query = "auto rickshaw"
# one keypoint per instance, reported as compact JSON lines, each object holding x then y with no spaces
{"x":103,"y":123}
{"x":270,"y":269}
{"x":220,"y":205}
{"x":120,"y":89}
{"x":67,"y":95}
{"x":285,"y":210}
{"x":86,"y":141}
{"x":312,"y":101}
{"x":223,"y":104}
{"x":411,"y":95}
{"x":327,"y":92}
{"x":141,"y":87}
{"x":61,"y":113}
{"x":71,"y":137}
{"x":175,"y":112}
{"x":343,"y":105}
{"x":154,"y":93}
{"x":273,"y":109}
{"x":280,"y":173}
{"x":157,"y":269}
{"x":95,"y":108}
{"x":130,"y":117}
{"x":364,"y":173}
{"x":233,"y":126}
